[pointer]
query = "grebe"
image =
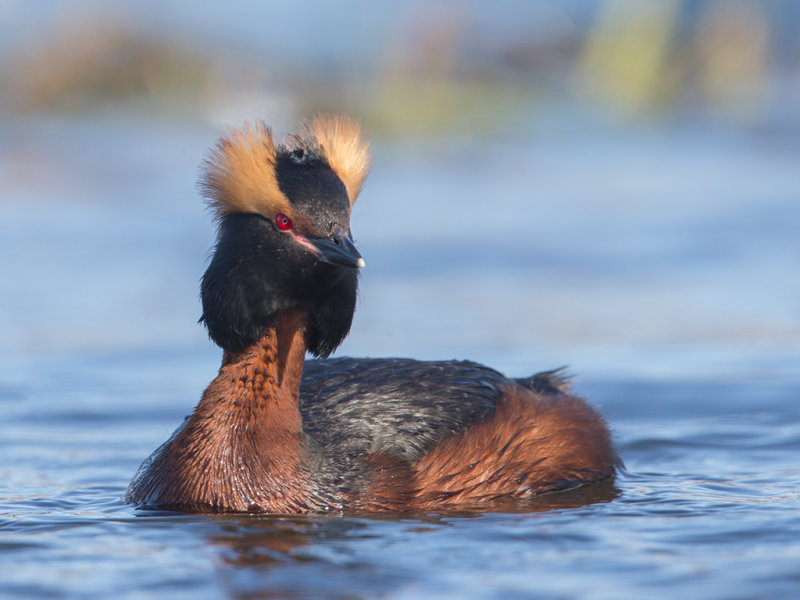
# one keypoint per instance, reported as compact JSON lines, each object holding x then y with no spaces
{"x":274,"y":433}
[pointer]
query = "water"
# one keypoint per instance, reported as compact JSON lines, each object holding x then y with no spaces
{"x":662,"y":268}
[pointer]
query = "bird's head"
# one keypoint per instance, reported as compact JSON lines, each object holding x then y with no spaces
{"x":284,"y":237}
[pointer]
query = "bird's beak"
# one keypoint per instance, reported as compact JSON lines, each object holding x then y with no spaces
{"x":337,"y":249}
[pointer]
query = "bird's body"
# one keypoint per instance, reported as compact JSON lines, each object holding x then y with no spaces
{"x":276,"y":433}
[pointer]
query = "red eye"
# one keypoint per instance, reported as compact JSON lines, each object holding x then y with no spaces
{"x":283,"y":222}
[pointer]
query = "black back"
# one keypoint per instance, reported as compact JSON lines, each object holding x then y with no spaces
{"x":402,"y":407}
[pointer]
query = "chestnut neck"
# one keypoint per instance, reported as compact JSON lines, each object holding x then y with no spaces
{"x":262,"y":382}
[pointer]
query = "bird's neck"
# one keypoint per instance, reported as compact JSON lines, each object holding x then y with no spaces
{"x":261,"y":384}
{"x":243,"y":448}
{"x":245,"y":436}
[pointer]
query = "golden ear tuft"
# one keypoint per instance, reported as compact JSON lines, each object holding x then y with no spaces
{"x":340,"y":141}
{"x":238,"y":175}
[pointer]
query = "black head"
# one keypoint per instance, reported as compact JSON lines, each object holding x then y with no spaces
{"x":292,"y":250}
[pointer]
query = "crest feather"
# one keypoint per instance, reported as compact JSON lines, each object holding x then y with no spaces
{"x":238,"y":176}
{"x":339,"y":140}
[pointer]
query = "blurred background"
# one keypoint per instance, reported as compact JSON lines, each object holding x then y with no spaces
{"x":612,"y":184}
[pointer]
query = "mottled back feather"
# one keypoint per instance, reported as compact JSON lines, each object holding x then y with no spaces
{"x":394,"y":406}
